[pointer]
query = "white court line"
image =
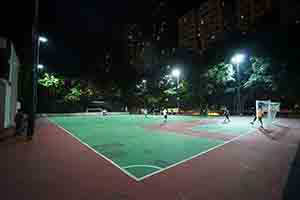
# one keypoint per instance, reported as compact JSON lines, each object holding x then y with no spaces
{"x":194,"y":156}
{"x":162,"y":169}
{"x":148,"y":166}
{"x":103,"y":156}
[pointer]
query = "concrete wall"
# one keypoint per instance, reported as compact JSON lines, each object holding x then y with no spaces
{"x":2,"y":102}
{"x":8,"y":84}
{"x":13,"y":79}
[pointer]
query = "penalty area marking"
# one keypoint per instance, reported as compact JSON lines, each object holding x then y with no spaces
{"x":194,"y":156}
{"x":146,"y":166}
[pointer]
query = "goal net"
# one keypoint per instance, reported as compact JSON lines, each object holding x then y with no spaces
{"x":269,"y":107}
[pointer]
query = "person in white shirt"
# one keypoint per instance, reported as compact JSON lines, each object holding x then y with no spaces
{"x":165,"y":113}
{"x":146,"y":113}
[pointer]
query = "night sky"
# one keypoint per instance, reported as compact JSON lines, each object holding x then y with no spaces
{"x":79,"y":32}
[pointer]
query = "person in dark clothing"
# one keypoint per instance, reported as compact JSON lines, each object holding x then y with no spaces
{"x":259,"y":115}
{"x":20,"y":121}
{"x":226,"y":114}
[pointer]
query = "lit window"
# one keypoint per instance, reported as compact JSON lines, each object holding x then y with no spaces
{"x":213,"y":37}
{"x":130,"y":37}
{"x":158,"y":38}
{"x":202,"y":21}
{"x":184,"y":19}
{"x":297,"y":21}
{"x":242,"y":17}
{"x":199,"y":34}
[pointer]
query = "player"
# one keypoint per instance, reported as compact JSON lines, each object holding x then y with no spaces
{"x":20,"y":120}
{"x":146,"y":113}
{"x":226,"y":114}
{"x":165,"y":113}
{"x":103,"y":113}
{"x":259,"y":115}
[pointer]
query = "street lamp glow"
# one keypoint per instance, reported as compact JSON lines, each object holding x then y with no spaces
{"x":176,"y":73}
{"x":40,"y":66}
{"x":238,"y":58}
{"x":144,"y":81}
{"x":43,"y":39}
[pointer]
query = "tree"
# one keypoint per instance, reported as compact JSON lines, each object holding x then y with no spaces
{"x":54,"y":85}
{"x":74,"y":94}
{"x":261,"y":75}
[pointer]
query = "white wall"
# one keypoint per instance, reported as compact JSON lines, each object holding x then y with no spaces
{"x":4,"y":107}
{"x":9,"y":90}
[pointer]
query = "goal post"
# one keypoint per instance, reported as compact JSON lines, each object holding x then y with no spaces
{"x":269,"y":107}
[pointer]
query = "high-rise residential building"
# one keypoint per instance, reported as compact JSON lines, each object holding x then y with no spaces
{"x":289,"y":12}
{"x":187,"y":31}
{"x":201,"y":27}
{"x":210,"y":23}
{"x":152,"y":42}
{"x":163,"y":30}
{"x":249,"y":12}
{"x":134,"y":44}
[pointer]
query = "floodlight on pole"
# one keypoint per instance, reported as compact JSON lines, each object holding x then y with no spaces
{"x":176,"y":73}
{"x":237,"y":60}
{"x":40,"y":66}
{"x":43,"y":39}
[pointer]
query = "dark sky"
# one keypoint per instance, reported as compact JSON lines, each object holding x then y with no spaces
{"x":79,"y":31}
{"x":16,"y":25}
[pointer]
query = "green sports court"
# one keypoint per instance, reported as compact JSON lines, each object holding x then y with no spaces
{"x":140,"y":152}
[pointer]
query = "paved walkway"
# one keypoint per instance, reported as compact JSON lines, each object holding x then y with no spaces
{"x":54,"y":166}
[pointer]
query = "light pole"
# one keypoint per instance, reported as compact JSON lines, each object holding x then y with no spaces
{"x":33,"y":100}
{"x":176,"y":74}
{"x":41,"y":40}
{"x":40,"y":67}
{"x":237,"y":59}
{"x":144,"y":83}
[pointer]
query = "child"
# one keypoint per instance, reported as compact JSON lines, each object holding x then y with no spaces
{"x":226,"y":114}
{"x":165,"y":113}
{"x":259,"y":115}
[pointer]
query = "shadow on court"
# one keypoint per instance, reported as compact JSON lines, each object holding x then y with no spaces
{"x":291,"y":190}
{"x":272,"y":134}
{"x":6,"y":134}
